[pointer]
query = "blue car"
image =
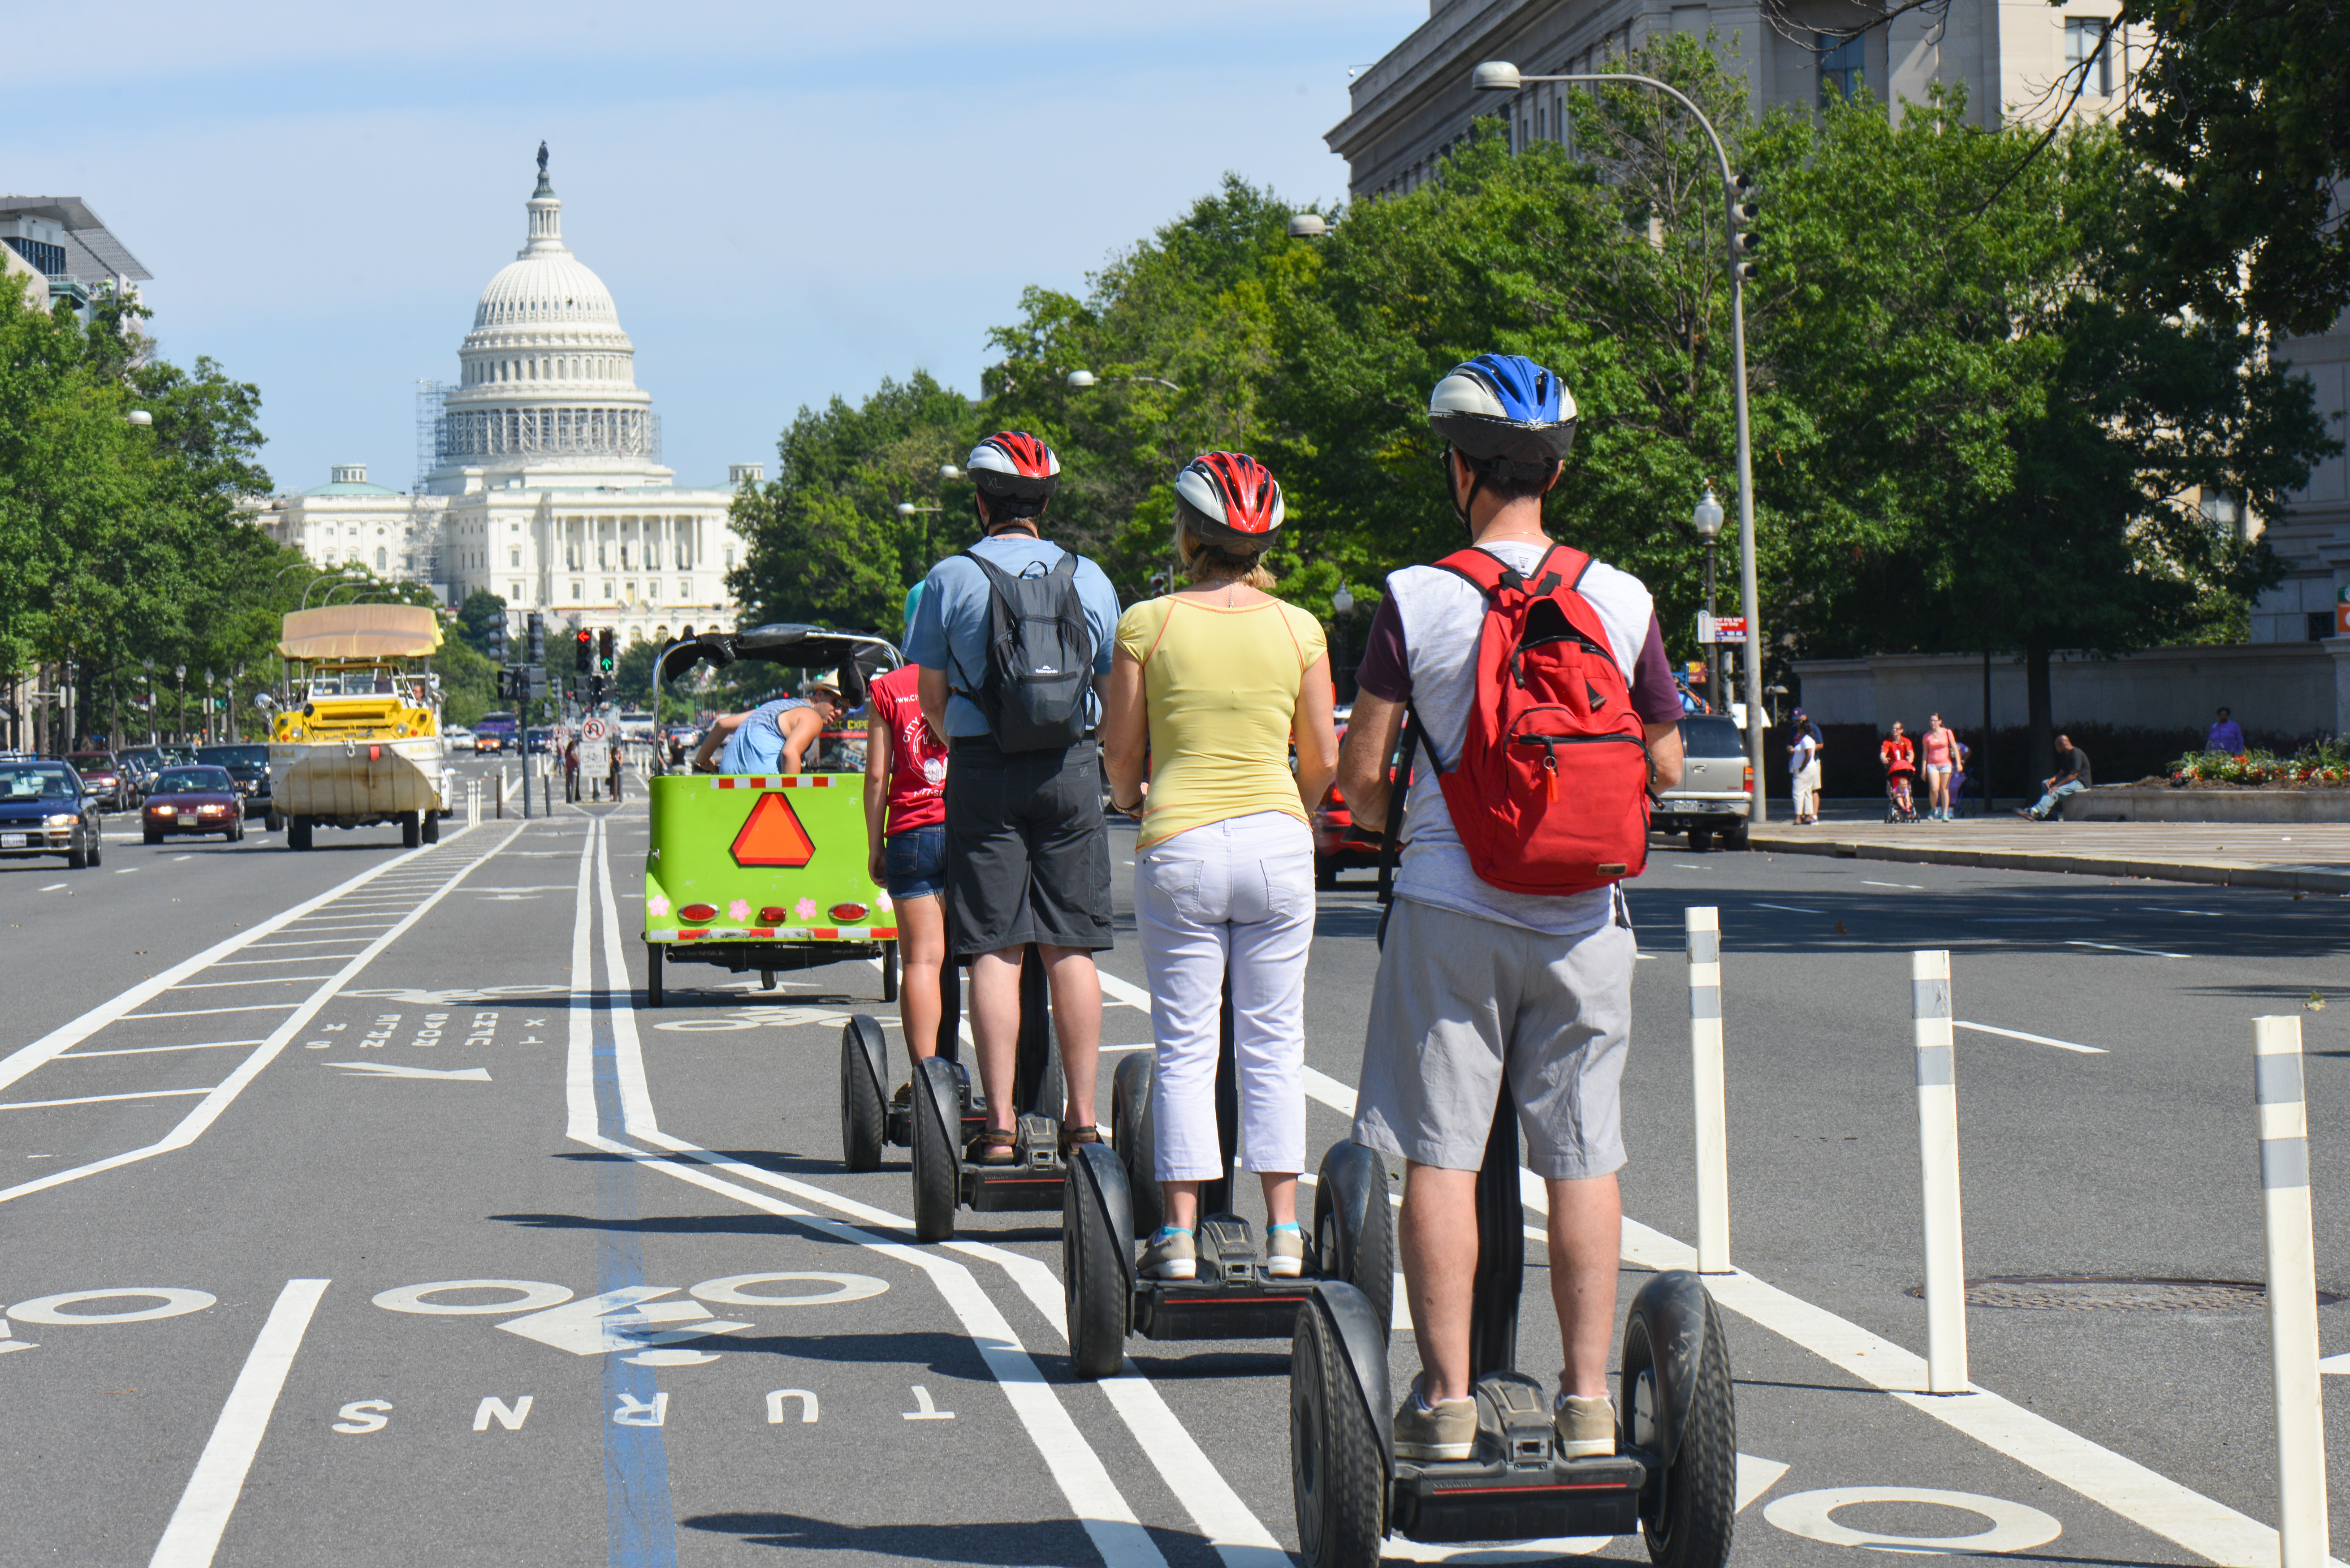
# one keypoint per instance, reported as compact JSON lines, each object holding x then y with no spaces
{"x":45,"y":809}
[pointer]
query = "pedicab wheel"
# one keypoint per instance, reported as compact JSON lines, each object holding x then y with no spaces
{"x":864,"y":1059}
{"x":1687,"y":1508}
{"x":1334,"y":1469}
{"x":1353,"y":1225}
{"x":273,"y":822}
{"x":1095,"y":1260}
{"x":890,"y":971}
{"x":654,"y":993}
{"x":938,"y":1161}
{"x":766,"y":979}
{"x":297,"y":833}
{"x":1132,"y":1133}
{"x":411,"y":830}
{"x":431,"y":828}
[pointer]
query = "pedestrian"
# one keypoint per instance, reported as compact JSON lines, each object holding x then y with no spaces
{"x":2226,"y":735}
{"x":1803,"y":769}
{"x":1509,"y":949}
{"x":2071,"y":777}
{"x":1900,"y":760}
{"x":906,"y":842}
{"x":613,"y":752}
{"x":1959,"y":753}
{"x":1210,"y":684}
{"x":1027,"y":853}
{"x":571,"y":769}
{"x":1937,"y":757}
{"x":776,"y":737}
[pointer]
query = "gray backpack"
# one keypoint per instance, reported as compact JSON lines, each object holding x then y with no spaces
{"x":1040,"y":657}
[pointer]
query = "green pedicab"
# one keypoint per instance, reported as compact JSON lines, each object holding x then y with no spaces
{"x":766,"y":873}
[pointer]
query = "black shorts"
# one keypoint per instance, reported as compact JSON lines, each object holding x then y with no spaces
{"x":1027,"y":856}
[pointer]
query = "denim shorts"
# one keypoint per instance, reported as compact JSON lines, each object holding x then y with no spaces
{"x":915,"y":863}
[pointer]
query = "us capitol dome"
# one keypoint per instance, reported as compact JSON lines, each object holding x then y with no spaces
{"x":543,"y":481}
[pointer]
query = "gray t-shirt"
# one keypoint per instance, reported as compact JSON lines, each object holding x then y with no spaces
{"x":951,"y":623}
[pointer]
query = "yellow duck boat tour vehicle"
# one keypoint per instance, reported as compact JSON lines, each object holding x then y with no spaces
{"x":355,"y":742}
{"x":766,"y":873}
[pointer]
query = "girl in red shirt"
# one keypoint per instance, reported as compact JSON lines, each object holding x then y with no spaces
{"x":1900,"y":760}
{"x":906,"y":782}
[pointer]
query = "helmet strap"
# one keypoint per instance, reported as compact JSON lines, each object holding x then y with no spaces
{"x":1460,"y":504}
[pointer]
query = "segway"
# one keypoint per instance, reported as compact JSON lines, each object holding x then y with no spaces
{"x":871,"y":1117}
{"x":1674,"y":1479}
{"x":1112,"y":1199}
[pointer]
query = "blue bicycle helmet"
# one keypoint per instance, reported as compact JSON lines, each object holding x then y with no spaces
{"x":1504,"y":413}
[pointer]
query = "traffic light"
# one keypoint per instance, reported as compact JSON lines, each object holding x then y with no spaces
{"x":595,"y":689}
{"x":1744,"y":243}
{"x":582,"y":649}
{"x":604,"y":650}
{"x":537,"y":637}
{"x":498,"y":640}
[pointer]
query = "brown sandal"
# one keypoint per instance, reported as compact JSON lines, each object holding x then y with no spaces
{"x":1072,"y":1136}
{"x":993,"y":1147}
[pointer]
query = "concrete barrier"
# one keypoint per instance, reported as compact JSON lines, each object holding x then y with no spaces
{"x":1704,"y":928}
{"x":2159,"y":803}
{"x":1937,"y":1161}
{"x":2285,"y":1223}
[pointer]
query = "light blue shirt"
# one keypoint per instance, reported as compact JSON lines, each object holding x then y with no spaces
{"x":952,"y":622}
{"x":756,"y":746}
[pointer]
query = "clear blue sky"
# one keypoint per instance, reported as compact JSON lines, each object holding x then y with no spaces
{"x":786,"y":201}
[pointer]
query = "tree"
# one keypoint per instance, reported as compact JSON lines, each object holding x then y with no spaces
{"x":481,"y":611}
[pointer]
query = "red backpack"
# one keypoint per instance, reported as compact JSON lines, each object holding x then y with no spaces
{"x":1551,"y":792}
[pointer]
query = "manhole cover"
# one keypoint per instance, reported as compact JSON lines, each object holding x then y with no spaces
{"x":2072,"y":1292}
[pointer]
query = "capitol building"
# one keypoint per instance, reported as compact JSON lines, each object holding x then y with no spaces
{"x":543,"y":481}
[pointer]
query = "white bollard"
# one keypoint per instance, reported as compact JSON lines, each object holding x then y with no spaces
{"x":1938,"y":1157}
{"x":2292,"y":1292}
{"x":1704,"y":927}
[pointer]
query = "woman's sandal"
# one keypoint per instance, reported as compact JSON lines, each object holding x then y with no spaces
{"x":1072,"y":1136}
{"x":993,"y":1147}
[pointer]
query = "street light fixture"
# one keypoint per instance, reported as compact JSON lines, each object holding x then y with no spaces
{"x":1708,"y":519}
{"x":139,"y":417}
{"x":949,"y":471}
{"x":1501,"y":76}
{"x":180,"y":673}
{"x":1308,"y":226}
{"x":1081,"y":379}
{"x":1341,"y":606}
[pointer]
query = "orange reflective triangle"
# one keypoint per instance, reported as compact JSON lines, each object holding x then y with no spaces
{"x":772,"y":836}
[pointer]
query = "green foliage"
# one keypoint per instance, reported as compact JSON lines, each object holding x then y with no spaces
{"x":481,"y":610}
{"x":632,"y":674}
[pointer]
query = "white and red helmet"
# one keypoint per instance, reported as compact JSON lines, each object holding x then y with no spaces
{"x":1229,"y":498}
{"x":1014,"y":464}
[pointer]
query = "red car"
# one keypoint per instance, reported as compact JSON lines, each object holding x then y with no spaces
{"x":102,"y":777}
{"x":193,"y":800}
{"x":1336,"y":845}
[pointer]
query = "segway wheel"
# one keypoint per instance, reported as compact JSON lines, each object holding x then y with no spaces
{"x":1688,"y":1509}
{"x":411,"y":831}
{"x":1353,"y":1225}
{"x":654,"y":991}
{"x":938,"y":1158}
{"x":1133,"y":1133}
{"x":1095,"y":1294}
{"x":888,"y":971}
{"x":1334,"y":1468}
{"x":864,"y":1059}
{"x":431,"y":828}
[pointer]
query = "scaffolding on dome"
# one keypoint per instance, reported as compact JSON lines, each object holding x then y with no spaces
{"x":430,"y":395}
{"x":474,"y":435}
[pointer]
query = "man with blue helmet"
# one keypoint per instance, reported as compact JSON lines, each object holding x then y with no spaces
{"x":1476,"y":982}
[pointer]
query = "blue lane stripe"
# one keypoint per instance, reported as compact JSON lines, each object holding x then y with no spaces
{"x":637,"y":1514}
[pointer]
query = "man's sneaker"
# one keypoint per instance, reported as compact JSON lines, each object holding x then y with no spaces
{"x":1449,"y":1431}
{"x":1585,"y":1428}
{"x":903,"y":1098}
{"x":1172,"y":1254}
{"x":1284,"y":1251}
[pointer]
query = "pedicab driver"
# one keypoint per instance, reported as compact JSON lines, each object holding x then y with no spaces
{"x":771,"y":738}
{"x":1028,"y":857}
{"x":1475,"y":981}
{"x":906,"y":840}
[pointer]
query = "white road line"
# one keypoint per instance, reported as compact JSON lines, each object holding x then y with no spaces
{"x":257,"y":980}
{"x":208,"y":1012}
{"x":193,"y":1536}
{"x":208,"y":1110}
{"x":124,"y":870}
{"x":1791,"y":909}
{"x":53,"y":887}
{"x":294,"y":958}
{"x":94,"y":1099}
{"x":2035,"y":1039}
{"x":1911,"y":886}
{"x":2122,"y":1486}
{"x":308,"y":942}
{"x":2118,"y":948}
{"x":2149,"y":909}
{"x":150,"y":1050}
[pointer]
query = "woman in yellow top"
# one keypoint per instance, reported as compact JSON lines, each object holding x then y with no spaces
{"x":1215,"y":683}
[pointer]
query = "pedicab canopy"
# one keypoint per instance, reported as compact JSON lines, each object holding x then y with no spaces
{"x":740,"y":859}
{"x":360,"y":631}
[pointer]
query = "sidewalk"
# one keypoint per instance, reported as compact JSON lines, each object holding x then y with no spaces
{"x":2299,"y":857}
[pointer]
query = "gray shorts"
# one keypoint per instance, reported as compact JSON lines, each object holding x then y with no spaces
{"x":1456,"y":997}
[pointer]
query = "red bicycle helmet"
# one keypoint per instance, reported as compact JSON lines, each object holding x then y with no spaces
{"x":1015,"y":465}
{"x":1229,"y":498}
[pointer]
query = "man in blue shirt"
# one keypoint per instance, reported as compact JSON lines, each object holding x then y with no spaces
{"x":1027,"y":853}
{"x":2226,"y":735}
{"x":771,"y":738}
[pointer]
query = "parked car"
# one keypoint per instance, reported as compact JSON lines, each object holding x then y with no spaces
{"x":538,"y":740}
{"x":1336,"y":845}
{"x":46,"y":809}
{"x":103,"y":776}
{"x":192,"y":799}
{"x":248,"y":766}
{"x":1717,"y":789}
{"x":456,"y":738}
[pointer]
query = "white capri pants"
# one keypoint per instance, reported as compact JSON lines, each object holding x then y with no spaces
{"x":1237,"y":892}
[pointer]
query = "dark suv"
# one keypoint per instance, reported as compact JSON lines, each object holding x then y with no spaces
{"x":44,"y":810}
{"x":103,"y":776}
{"x":249,"y":767}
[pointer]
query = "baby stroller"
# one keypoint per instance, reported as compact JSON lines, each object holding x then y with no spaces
{"x":1899,"y":806}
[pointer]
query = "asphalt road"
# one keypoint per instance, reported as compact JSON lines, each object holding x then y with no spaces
{"x":347,"y":1162}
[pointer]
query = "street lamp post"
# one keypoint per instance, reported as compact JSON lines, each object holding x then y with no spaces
{"x":180,"y":673}
{"x":1500,"y":76}
{"x":1081,"y":379}
{"x":1707,"y":518}
{"x":1341,"y":606}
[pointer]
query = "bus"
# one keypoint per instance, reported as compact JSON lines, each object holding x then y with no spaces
{"x":497,"y":733}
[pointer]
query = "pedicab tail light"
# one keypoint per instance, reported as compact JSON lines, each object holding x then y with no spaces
{"x":697,"y":913}
{"x":848,"y":914}
{"x":775,"y":915}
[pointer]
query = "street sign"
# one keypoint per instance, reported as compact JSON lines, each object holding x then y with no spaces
{"x":1720,"y":627}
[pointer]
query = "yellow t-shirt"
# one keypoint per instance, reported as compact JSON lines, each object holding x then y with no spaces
{"x":1221,"y":689}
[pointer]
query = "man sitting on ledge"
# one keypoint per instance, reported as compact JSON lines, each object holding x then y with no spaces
{"x":2071,"y":777}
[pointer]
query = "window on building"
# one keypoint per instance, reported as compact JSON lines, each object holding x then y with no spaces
{"x":513,"y":592}
{"x":2321,"y":625}
{"x":603,"y":556}
{"x":652,"y":590}
{"x":578,"y":591}
{"x":684,"y":588}
{"x":2088,"y":53}
{"x":1840,"y":64}
{"x":514,"y":559}
{"x":607,"y":587}
{"x":382,"y":558}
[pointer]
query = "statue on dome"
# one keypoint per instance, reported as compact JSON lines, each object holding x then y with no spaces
{"x":542,"y":160}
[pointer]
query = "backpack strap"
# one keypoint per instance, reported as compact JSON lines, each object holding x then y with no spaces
{"x":1399,"y":796}
{"x":1561,"y":565}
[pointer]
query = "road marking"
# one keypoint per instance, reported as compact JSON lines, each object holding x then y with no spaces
{"x":924,"y":1410}
{"x":296,"y":958}
{"x":393,"y":1070}
{"x":310,"y":942}
{"x":257,"y":980}
{"x":125,"y":871}
{"x":208,"y":1012}
{"x":2149,"y":909}
{"x":1791,"y":909}
{"x":94,"y":1099}
{"x":194,"y":1535}
{"x":150,"y":1050}
{"x":2038,"y":919}
{"x":180,"y":857}
{"x":2014,"y":1526}
{"x":1912,"y":887}
{"x":2118,"y":948}
{"x":53,"y":887}
{"x":176,"y":1303}
{"x":2035,"y":1039}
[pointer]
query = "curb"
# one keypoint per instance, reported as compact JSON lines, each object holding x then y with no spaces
{"x":2213,"y":873}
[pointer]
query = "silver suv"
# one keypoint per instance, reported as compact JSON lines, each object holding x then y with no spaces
{"x":1717,"y":787}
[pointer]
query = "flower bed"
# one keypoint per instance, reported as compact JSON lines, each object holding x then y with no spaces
{"x":2322,"y":765}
